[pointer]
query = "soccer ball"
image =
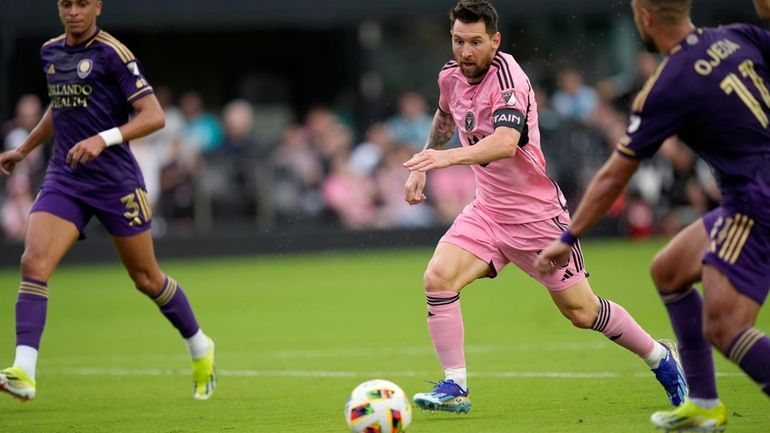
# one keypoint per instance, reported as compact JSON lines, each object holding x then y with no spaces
{"x":378,"y":406}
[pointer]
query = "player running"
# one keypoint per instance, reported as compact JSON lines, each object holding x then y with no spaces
{"x":711,"y":91}
{"x":518,"y":209}
{"x":94,"y":83}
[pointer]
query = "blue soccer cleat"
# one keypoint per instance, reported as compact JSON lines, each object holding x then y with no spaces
{"x":447,"y":396}
{"x":670,"y":374}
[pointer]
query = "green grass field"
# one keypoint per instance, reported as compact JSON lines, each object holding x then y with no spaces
{"x":295,"y":334}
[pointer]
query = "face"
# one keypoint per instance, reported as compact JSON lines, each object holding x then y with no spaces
{"x":79,"y":16}
{"x":642,"y":21}
{"x":473,"y":48}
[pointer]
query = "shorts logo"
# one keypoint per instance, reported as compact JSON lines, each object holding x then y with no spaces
{"x":470,"y":121}
{"x":508,"y":98}
{"x":84,"y":68}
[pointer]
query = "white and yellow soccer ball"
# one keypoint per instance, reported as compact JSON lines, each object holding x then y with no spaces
{"x":378,"y":406}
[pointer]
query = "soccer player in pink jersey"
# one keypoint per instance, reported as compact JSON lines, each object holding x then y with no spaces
{"x":518,"y":209}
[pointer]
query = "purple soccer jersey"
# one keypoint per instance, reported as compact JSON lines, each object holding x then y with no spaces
{"x":712,"y":92}
{"x":91,"y":87}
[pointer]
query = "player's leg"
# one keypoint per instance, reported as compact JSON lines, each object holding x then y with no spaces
{"x":730,"y":318}
{"x":138,"y":256}
{"x":48,"y":239}
{"x":674,"y":270}
{"x":450,"y":269}
{"x":574,"y":298}
{"x":588,"y":311}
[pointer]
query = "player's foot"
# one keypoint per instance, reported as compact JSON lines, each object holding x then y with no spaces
{"x":447,"y":396}
{"x":691,"y":417}
{"x":204,"y":375}
{"x":16,"y":382}
{"x":669,"y":373}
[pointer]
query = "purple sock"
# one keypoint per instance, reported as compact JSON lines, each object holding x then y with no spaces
{"x":174,"y":305}
{"x":751,"y":351}
{"x":31,"y":310}
{"x":686,"y":314}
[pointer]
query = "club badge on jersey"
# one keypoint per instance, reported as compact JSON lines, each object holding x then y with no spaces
{"x":470,"y":121}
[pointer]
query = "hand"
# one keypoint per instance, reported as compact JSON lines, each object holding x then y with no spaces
{"x":413,"y":188}
{"x":8,"y":161}
{"x":554,"y":257}
{"x":85,"y":151}
{"x":428,"y":159}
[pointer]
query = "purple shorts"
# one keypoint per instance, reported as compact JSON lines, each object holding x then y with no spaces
{"x":124,"y":213}
{"x":739,"y":247}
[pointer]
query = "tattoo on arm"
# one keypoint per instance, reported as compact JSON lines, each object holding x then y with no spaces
{"x":442,"y":131}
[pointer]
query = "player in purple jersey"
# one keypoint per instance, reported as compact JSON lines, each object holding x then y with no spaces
{"x":711,"y":91}
{"x":518,"y":209}
{"x":94,"y":83}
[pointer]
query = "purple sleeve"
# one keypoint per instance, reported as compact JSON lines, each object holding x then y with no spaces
{"x":656,"y":115}
{"x":130,"y":77}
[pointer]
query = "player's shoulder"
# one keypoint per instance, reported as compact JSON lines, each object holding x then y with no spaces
{"x":112,"y":46}
{"x":57,"y":41}
{"x":506,"y":69}
{"x":448,"y":69}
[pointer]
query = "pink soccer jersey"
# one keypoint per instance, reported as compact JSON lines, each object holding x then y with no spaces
{"x":513,"y":190}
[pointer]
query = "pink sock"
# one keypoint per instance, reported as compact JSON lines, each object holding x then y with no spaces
{"x":616,"y":324}
{"x":445,"y":323}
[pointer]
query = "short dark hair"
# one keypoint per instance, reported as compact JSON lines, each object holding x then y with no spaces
{"x":473,"y":11}
{"x":671,"y":11}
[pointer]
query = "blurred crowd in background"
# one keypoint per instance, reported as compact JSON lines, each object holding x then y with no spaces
{"x":241,"y":165}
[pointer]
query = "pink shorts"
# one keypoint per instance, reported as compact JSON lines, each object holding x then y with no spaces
{"x":499,"y":244}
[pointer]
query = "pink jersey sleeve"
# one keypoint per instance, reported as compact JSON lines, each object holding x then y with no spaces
{"x":444,"y":87}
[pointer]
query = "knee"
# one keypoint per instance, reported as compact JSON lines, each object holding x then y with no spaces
{"x":36,"y":265}
{"x":437,"y":279}
{"x":663,"y":273}
{"x":720,"y":333}
{"x":146,"y":282}
{"x":580,"y":316}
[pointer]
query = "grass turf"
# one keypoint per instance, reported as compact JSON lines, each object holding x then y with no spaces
{"x":296,"y":333}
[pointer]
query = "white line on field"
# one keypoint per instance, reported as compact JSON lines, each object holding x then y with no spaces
{"x":327,"y":374}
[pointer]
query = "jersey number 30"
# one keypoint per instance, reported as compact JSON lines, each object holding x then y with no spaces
{"x":732,"y":83}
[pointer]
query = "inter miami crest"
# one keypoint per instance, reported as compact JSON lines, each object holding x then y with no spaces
{"x":470,"y":121}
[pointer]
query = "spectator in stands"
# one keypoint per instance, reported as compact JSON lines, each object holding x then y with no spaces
{"x":28,"y":113}
{"x":298,"y":172}
{"x":366,"y":156}
{"x":203,"y":132}
{"x":574,"y":100}
{"x":390,"y":178}
{"x":412,"y":122}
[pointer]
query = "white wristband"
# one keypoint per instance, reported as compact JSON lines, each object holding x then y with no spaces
{"x":112,"y":136}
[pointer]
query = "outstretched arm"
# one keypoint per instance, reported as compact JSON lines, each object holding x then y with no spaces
{"x":442,"y":130}
{"x":602,"y":192}
{"x":148,"y":118}
{"x":42,"y":132}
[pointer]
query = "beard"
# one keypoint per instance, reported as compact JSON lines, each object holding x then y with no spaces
{"x":476,"y":72}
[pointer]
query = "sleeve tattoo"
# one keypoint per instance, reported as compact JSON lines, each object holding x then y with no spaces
{"x":442,"y":130}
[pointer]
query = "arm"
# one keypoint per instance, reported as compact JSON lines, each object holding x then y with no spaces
{"x":442,"y":130}
{"x":763,"y":8}
{"x":501,"y":144}
{"x":604,"y":189}
{"x":148,"y":118}
{"x":42,"y":132}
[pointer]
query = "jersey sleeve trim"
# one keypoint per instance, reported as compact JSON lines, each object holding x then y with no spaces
{"x":641,"y":98}
{"x":56,"y":39}
{"x":504,"y":76}
{"x":121,"y":50}
{"x":625,"y":151}
{"x":136,"y":94}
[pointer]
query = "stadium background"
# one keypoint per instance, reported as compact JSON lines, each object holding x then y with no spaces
{"x":329,"y":75}
{"x":292,"y":337}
